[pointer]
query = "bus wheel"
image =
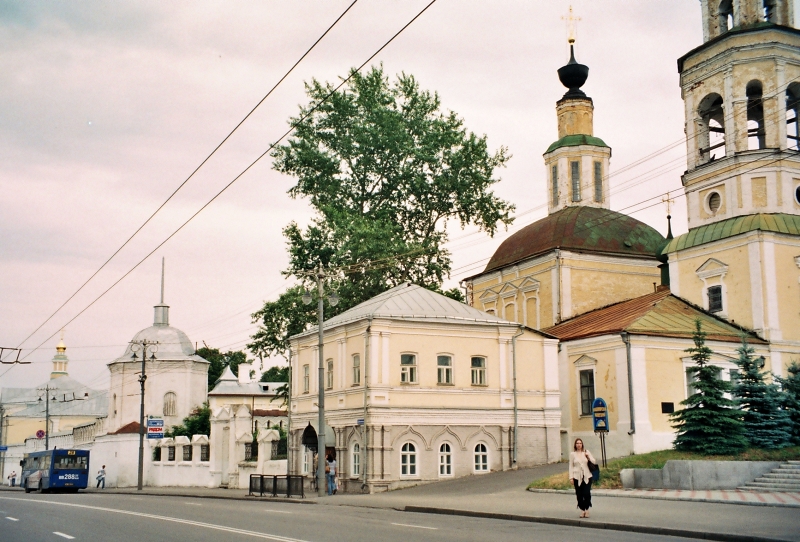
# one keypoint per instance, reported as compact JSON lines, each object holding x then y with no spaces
{"x":27,"y":489}
{"x":41,"y":489}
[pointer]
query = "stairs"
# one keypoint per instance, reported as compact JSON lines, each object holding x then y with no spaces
{"x":785,"y":478}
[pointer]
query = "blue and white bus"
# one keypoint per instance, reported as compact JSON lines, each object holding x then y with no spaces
{"x":54,"y":470}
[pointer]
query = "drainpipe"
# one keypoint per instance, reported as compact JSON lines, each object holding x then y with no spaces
{"x":514,"y":380}
{"x":627,"y":340}
{"x":366,"y":377}
{"x":558,"y":286}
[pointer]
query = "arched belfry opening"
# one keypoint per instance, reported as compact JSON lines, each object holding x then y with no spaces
{"x":711,"y":133}
{"x":770,"y":11}
{"x":792,"y":109}
{"x":725,"y":15}
{"x":756,"y":131}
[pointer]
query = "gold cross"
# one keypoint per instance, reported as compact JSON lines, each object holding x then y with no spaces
{"x":571,"y":20}
{"x":669,"y":201}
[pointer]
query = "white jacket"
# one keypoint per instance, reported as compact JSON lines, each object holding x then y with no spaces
{"x":579,"y":466}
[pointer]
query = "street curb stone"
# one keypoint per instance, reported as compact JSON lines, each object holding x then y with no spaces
{"x":600,"y":493}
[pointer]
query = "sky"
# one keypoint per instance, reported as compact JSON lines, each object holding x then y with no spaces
{"x":107,"y":107}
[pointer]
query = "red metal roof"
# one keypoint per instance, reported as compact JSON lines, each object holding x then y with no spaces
{"x":268,"y":413}
{"x":128,"y":429}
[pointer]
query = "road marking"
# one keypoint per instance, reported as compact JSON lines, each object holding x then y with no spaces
{"x":68,"y":537}
{"x":254,"y":534}
{"x":416,"y":526}
{"x":12,"y":519}
{"x":193,"y":503}
{"x":277,"y":511}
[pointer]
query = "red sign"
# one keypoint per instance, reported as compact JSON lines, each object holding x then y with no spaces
{"x":40,"y":433}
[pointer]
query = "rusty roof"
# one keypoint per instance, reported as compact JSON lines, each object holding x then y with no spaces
{"x":660,"y":314}
{"x":131,"y":428}
{"x":582,"y":229}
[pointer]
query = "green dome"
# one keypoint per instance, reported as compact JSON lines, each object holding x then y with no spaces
{"x":576,"y":140}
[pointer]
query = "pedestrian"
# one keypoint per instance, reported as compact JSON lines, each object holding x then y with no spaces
{"x":581,"y":476}
{"x":13,"y":478}
{"x":101,"y":477}
{"x":330,"y":474}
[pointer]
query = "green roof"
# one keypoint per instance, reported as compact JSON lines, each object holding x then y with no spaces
{"x":575,"y":140}
{"x":778,"y":223}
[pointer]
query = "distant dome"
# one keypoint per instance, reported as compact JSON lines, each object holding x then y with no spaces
{"x":581,"y":229}
{"x":173,"y":344}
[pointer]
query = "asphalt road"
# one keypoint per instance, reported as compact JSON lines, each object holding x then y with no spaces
{"x":98,"y":517}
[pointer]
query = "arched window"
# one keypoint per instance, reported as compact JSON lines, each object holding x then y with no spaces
{"x":725,"y":13}
{"x":792,"y":108}
{"x":114,"y":409}
{"x":481,"y":458}
{"x":710,"y":138}
{"x":170,"y":404}
{"x":445,"y":460}
{"x":770,"y":12}
{"x":756,"y":132}
{"x":408,"y":460}
{"x":356,"y":462}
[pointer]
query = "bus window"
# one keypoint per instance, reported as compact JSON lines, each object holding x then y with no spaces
{"x":71,"y":463}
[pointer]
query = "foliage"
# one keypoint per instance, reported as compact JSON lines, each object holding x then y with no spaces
{"x":766,"y":425}
{"x":709,"y":423}
{"x":385,"y":170}
{"x":198,"y":422}
{"x":218,"y":361}
{"x":278,"y":374}
{"x":609,"y":477}
{"x":791,"y":399}
{"x":282,"y":444}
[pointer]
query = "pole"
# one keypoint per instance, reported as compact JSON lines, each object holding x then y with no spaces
{"x":142,"y":378}
{"x":288,"y":418}
{"x":47,"y":418}
{"x":514,"y":377}
{"x":321,"y":485}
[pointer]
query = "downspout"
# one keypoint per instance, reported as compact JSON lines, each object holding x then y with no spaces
{"x":627,"y":340}
{"x":558,"y":286}
{"x":519,"y":333}
{"x":366,"y":380}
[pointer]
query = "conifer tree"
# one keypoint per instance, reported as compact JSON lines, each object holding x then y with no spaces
{"x":791,"y":399}
{"x":766,"y":424}
{"x":709,"y":423}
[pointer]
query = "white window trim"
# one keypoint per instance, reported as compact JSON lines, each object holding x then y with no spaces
{"x":353,"y":473}
{"x":355,"y":368}
{"x":715,"y":190}
{"x":725,"y":365}
{"x":439,"y":463}
{"x":451,"y":368}
{"x":719,"y":272}
{"x":584,"y":363}
{"x":416,"y":369}
{"x":416,"y":454}
{"x":488,"y":459}
{"x":485,"y":370}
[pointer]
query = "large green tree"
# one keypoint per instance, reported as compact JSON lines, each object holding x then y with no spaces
{"x":766,"y":424}
{"x":709,"y":423}
{"x":385,"y":170}
{"x":198,"y":422}
{"x":791,"y":399}
{"x":219,"y":360}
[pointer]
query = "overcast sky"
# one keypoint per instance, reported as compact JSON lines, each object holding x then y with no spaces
{"x":108,"y":106}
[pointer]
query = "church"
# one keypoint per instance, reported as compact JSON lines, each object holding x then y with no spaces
{"x":621,"y":298}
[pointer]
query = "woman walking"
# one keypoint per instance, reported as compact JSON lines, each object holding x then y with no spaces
{"x":581,"y":476}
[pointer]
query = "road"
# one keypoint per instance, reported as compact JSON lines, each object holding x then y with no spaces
{"x":99,"y":517}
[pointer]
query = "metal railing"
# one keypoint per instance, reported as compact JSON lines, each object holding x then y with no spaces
{"x":276,"y":486}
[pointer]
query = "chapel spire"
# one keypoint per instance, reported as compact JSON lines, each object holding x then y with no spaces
{"x":161,"y":310}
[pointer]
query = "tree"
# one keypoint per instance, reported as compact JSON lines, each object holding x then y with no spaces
{"x":278,"y":374}
{"x":218,"y":361}
{"x":791,"y":399}
{"x":709,"y":423}
{"x":385,"y":170}
{"x":766,"y":425}
{"x":198,"y":422}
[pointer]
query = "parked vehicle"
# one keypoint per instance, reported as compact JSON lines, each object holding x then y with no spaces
{"x":54,"y":470}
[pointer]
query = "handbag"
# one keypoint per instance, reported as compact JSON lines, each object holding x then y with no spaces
{"x":595,"y":470}
{"x":327,"y":469}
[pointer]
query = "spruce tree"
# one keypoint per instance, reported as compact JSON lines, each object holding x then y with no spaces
{"x":709,"y":423}
{"x":766,"y":424}
{"x":791,"y":399}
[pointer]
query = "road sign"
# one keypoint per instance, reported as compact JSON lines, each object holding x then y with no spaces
{"x":155,"y":428}
{"x":600,"y":415}
{"x":3,"y":448}
{"x":155,"y":422}
{"x":360,"y":421}
{"x":40,"y":433}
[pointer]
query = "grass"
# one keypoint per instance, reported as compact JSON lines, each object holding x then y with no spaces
{"x":609,"y":476}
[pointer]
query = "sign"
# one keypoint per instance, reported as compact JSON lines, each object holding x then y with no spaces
{"x":3,"y":448}
{"x":155,"y":428}
{"x":40,"y":433}
{"x":360,"y":421}
{"x":599,"y":415}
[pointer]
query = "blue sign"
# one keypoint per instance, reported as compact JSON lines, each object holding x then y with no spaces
{"x":155,"y":422}
{"x":600,"y":415}
{"x":360,"y":421}
{"x":3,"y":448}
{"x":155,"y":428}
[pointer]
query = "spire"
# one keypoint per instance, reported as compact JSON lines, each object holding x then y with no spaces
{"x":161,"y":310}
{"x":60,"y":360}
{"x":61,"y":347}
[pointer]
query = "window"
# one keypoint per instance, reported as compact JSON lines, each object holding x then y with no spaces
{"x":444,"y":369}
{"x":187,"y":453}
{"x":408,"y":369}
{"x":667,"y":408}
{"x":756,"y":129}
{"x":329,"y":374}
{"x":714,"y":202}
{"x":170,"y":453}
{"x":598,"y":182}
{"x":250,"y":451}
{"x":408,"y":460}
{"x":306,"y":460}
{"x":575,"y":168}
{"x":306,"y":377}
{"x":587,"y":391}
{"x":481,"y":458}
{"x":725,"y":16}
{"x":715,"y":299}
{"x":205,"y":452}
{"x":555,"y":185}
{"x":170,"y":404}
{"x":356,"y":470}
{"x":157,"y":454}
{"x":797,"y":194}
{"x":356,"y":369}
{"x":710,"y":139}
{"x":478,"y":371}
{"x":445,"y":460}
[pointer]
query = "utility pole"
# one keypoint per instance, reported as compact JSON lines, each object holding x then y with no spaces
{"x":47,"y":389}
{"x":145,"y":346}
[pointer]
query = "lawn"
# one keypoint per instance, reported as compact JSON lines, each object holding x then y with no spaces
{"x":609,"y":476}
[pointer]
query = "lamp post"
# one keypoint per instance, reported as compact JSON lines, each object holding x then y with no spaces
{"x":333,"y":299}
{"x":145,"y":346}
{"x":47,"y":389}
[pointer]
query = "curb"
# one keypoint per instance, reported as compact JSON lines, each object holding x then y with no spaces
{"x":186,"y":496}
{"x":723,"y":537}
{"x":600,"y":493}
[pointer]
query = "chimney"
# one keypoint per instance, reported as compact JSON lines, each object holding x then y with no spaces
{"x":244,"y":372}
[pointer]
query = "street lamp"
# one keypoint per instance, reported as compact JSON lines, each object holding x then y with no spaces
{"x":333,"y":299}
{"x":144,"y":346}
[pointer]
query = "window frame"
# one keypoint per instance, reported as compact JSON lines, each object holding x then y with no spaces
{"x":205,"y":452}
{"x":306,"y":378}
{"x":598,"y":181}
{"x":444,"y":373}
{"x":575,"y":179}
{"x":581,"y":387}
{"x":356,"y":363}
{"x":170,"y":406}
{"x":445,"y":460}
{"x":480,"y":458}
{"x":187,"y":451}
{"x":329,"y":374}
{"x":409,"y":373}
{"x":478,"y":370}
{"x":717,"y":296}
{"x":355,"y":461}
{"x":554,"y":185}
{"x":408,"y":461}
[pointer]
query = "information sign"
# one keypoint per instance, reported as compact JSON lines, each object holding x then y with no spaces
{"x":600,"y":415}
{"x":155,"y":428}
{"x":360,"y":421}
{"x":3,"y":448}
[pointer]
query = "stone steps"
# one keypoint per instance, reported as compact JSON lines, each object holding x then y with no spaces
{"x":784,"y":478}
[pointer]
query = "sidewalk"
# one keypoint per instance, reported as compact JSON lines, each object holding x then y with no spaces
{"x":723,"y":496}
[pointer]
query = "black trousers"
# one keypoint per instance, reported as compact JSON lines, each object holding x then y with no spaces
{"x":584,"y":494}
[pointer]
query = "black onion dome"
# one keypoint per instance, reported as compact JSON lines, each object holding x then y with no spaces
{"x":573,"y":76}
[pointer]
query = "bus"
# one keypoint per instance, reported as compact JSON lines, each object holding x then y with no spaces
{"x":55,"y":470}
